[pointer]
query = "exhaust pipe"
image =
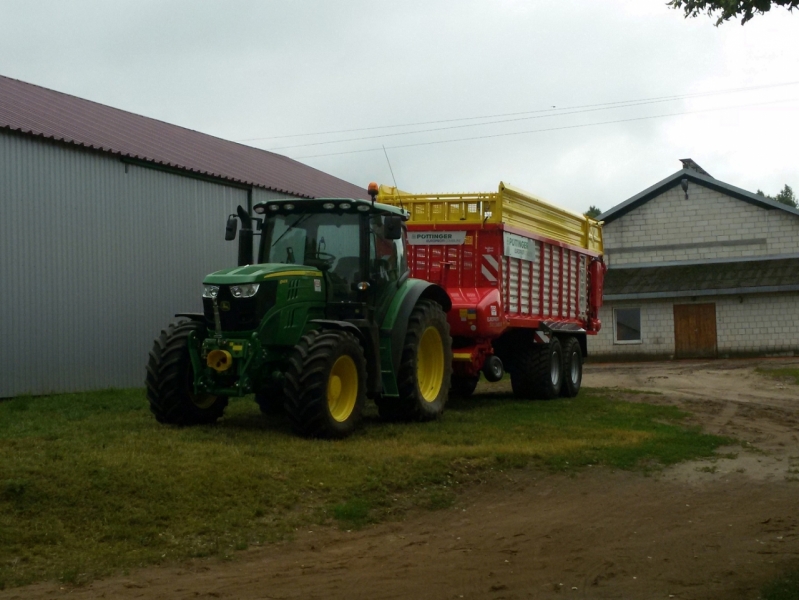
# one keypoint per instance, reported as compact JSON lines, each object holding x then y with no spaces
{"x":245,"y":238}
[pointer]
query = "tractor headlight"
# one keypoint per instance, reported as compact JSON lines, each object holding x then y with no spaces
{"x":244,"y":291}
{"x":210,"y":291}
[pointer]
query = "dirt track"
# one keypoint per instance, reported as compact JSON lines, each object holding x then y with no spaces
{"x":715,"y":529}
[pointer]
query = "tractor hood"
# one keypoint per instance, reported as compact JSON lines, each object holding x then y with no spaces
{"x":258,"y":273}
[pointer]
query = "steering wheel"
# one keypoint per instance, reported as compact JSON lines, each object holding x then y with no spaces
{"x":325,"y":258}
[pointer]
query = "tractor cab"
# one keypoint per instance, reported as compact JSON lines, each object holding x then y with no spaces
{"x":357,"y":245}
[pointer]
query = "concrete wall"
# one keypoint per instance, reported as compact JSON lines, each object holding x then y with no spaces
{"x":766,"y":324}
{"x":97,"y":258}
{"x":708,"y":225}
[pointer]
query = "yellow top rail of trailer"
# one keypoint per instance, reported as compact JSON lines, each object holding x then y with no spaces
{"x":509,"y":205}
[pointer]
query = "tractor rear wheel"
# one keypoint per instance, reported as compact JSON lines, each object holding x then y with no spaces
{"x":572,"y":368}
{"x":425,"y":369}
{"x":170,"y":379}
{"x":325,"y":385}
{"x":538,"y":371}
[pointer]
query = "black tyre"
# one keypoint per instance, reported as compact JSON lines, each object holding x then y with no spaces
{"x":426,"y":367}
{"x":463,"y":386}
{"x":538,"y":371}
{"x":572,"y":368}
{"x":325,"y":386}
{"x":493,"y":369}
{"x":270,"y":401}
{"x":170,"y":379}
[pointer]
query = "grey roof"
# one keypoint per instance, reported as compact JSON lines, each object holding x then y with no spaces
{"x":33,"y":110}
{"x":743,"y":277}
{"x":693,"y":177}
{"x":690,"y":163}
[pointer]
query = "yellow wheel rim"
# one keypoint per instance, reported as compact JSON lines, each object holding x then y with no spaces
{"x":199,"y":400}
{"x":203,"y":400}
{"x":430,"y":364}
{"x":342,"y":388}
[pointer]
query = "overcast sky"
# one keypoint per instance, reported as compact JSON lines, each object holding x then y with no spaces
{"x":579,"y":85}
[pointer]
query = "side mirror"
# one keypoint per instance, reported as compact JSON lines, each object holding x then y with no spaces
{"x":231,"y":228}
{"x":392,"y":227}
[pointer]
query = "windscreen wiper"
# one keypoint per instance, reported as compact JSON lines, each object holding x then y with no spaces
{"x":292,"y":226}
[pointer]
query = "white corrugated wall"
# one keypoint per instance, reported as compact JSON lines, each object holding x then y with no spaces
{"x":96,"y":257}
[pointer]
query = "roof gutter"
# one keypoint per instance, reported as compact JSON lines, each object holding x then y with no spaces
{"x":769,"y":289}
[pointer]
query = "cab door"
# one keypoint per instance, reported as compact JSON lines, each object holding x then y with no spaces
{"x":387,"y":264}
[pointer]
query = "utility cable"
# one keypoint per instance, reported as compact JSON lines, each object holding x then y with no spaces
{"x":514,"y":133}
{"x":545,"y":110}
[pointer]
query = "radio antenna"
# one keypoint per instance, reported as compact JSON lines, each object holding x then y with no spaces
{"x":394,"y":179}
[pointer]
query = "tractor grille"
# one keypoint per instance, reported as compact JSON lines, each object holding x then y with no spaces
{"x":243,"y":314}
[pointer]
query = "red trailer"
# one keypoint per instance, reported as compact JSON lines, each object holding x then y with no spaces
{"x":525,"y":278}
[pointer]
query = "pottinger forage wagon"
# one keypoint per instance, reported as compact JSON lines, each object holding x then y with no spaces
{"x":525,"y":278}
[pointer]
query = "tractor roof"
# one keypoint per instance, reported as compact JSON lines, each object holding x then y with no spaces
{"x":322,"y":205}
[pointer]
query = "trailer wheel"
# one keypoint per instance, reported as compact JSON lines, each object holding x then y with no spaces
{"x":538,"y":372}
{"x":270,"y":401}
{"x":463,"y":386}
{"x":325,"y":385}
{"x":170,"y":379}
{"x":425,"y":369}
{"x":572,"y":368}
{"x":493,"y":369}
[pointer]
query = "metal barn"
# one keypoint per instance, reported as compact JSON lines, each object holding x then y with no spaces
{"x":109,"y":222}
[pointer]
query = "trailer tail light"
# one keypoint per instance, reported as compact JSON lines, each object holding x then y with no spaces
{"x":596,"y":273}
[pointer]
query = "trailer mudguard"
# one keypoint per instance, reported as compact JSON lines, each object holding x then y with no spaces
{"x":395,"y":323}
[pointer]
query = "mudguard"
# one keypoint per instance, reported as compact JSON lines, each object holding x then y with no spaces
{"x":200,"y":317}
{"x":395,"y":324}
{"x":367,"y":335}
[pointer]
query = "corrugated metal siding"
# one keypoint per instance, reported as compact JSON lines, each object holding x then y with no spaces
{"x":96,"y":261}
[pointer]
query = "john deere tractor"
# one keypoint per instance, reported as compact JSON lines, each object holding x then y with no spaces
{"x":325,"y":318}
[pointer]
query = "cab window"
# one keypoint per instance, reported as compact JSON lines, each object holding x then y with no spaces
{"x":384,"y":255}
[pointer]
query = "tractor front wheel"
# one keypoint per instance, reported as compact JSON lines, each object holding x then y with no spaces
{"x":170,"y":379}
{"x":425,"y":369}
{"x":325,"y":386}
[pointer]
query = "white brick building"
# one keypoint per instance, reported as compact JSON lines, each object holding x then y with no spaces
{"x":698,"y":267}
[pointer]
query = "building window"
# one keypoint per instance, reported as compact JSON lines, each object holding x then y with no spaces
{"x":627,"y":325}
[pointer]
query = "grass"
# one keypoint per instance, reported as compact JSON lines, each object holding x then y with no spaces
{"x":785,"y":587}
{"x":91,"y":484}
{"x":786,"y":374}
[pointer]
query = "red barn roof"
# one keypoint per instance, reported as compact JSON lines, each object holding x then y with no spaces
{"x":34,"y":110}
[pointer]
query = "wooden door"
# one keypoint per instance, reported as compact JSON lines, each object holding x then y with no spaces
{"x":694,"y":330}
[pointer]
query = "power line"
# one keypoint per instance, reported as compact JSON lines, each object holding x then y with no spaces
{"x":546,"y":110}
{"x":496,"y":135}
{"x":371,"y":137}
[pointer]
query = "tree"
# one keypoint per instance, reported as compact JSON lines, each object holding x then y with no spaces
{"x":786,"y":196}
{"x":729,"y":9}
{"x":593,"y":212}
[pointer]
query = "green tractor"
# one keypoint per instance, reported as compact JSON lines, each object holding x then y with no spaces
{"x":326,"y":318}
